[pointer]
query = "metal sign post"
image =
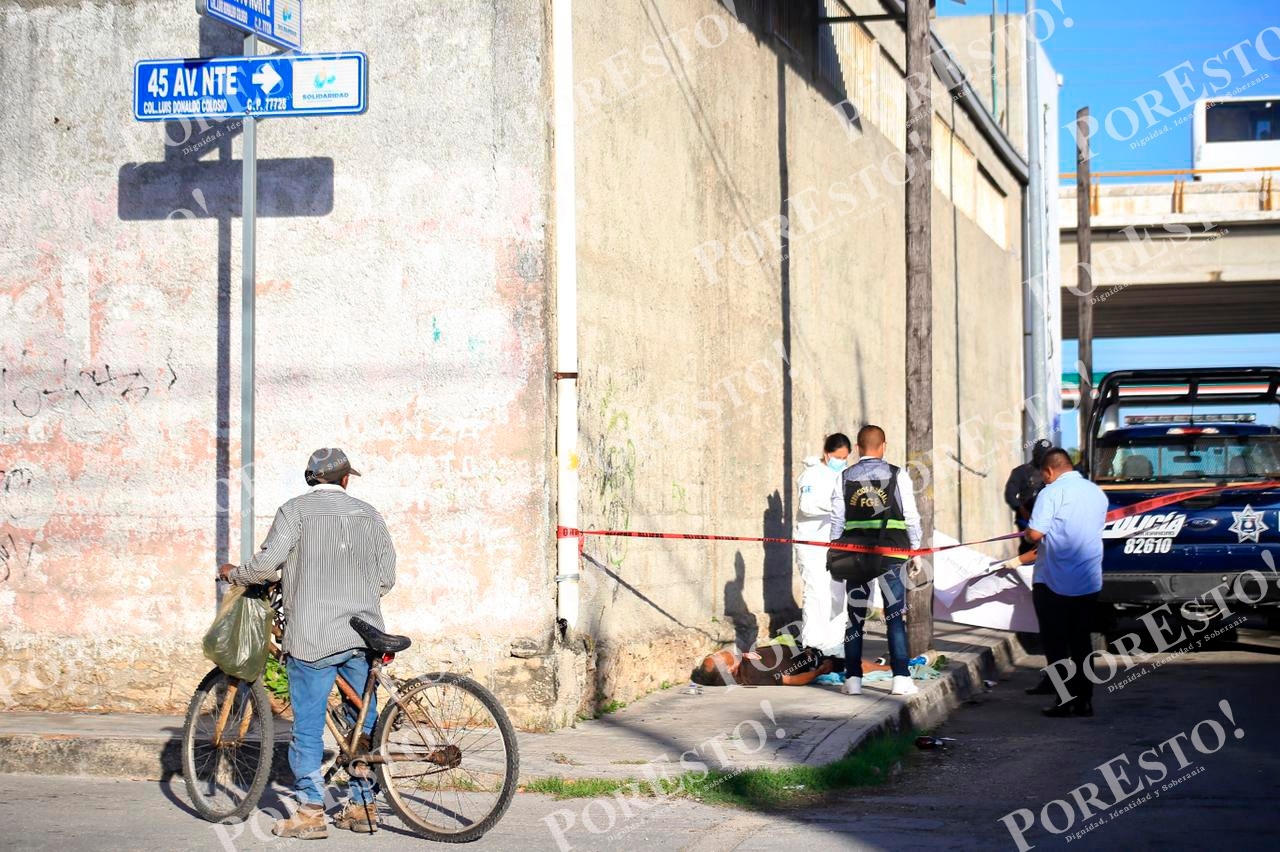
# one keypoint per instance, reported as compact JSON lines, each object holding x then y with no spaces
{"x":248,"y":292}
{"x":250,"y":87}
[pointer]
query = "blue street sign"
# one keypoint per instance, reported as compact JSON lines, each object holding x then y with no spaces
{"x":261,"y":86}
{"x":276,"y":21}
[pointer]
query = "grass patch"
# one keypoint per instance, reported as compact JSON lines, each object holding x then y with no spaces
{"x":576,"y":788}
{"x":869,"y":765}
{"x":612,"y":706}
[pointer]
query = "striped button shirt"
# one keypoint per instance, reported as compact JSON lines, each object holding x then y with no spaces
{"x":334,"y":558}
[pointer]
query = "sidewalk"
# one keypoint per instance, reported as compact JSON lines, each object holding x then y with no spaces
{"x":729,"y":727}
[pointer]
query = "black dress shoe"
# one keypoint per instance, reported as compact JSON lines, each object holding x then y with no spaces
{"x":1044,"y":687}
{"x":1074,"y":707}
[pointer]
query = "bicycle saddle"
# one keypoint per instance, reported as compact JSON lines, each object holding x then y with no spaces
{"x":379,"y":642}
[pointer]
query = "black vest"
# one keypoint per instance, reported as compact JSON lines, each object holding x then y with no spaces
{"x":872,"y":505}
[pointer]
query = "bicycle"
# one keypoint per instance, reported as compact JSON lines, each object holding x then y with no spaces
{"x":443,"y":751}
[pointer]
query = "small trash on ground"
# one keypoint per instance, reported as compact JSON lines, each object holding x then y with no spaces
{"x":691,"y":689}
{"x":925,"y":743}
{"x":922,"y":672}
{"x":940,"y":662}
{"x":989,"y":684}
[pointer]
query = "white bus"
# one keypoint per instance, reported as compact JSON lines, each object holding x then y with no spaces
{"x":1236,"y":133}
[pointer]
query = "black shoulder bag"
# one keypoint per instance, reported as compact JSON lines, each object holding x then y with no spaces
{"x":858,"y":569}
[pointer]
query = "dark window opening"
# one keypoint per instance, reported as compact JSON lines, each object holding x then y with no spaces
{"x":1242,"y":121}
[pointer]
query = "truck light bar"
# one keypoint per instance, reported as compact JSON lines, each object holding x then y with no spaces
{"x":1142,"y":419}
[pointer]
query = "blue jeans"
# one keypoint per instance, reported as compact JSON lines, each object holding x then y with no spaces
{"x":309,"y":688}
{"x":895,"y":605}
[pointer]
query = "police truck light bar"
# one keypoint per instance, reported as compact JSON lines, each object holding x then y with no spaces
{"x":1144,"y":419}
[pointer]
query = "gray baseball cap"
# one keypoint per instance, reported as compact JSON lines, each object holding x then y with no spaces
{"x":328,"y":465}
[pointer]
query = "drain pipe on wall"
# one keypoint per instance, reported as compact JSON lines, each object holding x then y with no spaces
{"x":1035,"y":293}
{"x":566,"y":314}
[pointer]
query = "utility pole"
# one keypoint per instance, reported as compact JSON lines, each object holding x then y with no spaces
{"x":1084,"y":270}
{"x":920,"y":314}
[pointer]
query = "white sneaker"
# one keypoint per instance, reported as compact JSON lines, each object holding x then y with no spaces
{"x":903,"y":686}
{"x":852,"y":686}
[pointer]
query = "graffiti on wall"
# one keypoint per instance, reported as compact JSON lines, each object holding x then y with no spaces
{"x":27,"y":391}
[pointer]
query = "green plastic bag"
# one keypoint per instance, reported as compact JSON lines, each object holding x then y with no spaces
{"x":237,"y":639}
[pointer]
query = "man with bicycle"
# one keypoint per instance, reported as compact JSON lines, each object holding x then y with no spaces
{"x":334,"y":558}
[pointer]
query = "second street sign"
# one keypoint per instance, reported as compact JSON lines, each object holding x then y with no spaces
{"x":276,"y":21}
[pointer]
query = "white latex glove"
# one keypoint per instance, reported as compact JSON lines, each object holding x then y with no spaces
{"x":1007,"y":565}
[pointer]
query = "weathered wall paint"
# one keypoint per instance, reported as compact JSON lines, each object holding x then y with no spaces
{"x":402,"y":313}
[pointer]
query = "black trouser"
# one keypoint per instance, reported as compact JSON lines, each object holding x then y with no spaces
{"x":1065,"y":624}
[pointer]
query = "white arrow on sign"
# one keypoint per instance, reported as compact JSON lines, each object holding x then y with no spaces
{"x":267,"y":78}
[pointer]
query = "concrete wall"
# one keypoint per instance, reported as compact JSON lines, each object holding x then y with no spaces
{"x":692,"y":418}
{"x":402,"y":314}
{"x":998,"y":75}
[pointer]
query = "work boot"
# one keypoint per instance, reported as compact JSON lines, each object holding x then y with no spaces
{"x":903,"y":686}
{"x":307,"y":823}
{"x":359,"y":818}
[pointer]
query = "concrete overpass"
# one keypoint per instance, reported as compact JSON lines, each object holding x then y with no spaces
{"x":1177,"y":258}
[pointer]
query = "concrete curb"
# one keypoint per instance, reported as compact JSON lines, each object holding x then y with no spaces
{"x":984,"y":655}
{"x":63,"y":754}
{"x":961,"y":680}
{"x":149,"y":748}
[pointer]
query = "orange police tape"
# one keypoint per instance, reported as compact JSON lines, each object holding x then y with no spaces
{"x":1114,"y":515}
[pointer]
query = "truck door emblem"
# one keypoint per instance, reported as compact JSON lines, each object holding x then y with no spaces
{"x":1248,"y":525}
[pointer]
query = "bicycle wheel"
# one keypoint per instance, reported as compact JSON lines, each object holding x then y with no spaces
{"x":450,"y":758}
{"x":227,"y":743}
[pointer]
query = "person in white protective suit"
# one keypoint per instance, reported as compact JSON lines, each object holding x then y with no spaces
{"x":823,"y":604}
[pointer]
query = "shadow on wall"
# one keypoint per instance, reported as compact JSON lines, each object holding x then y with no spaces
{"x":777,"y":576}
{"x":198,"y":179}
{"x":745,"y":626}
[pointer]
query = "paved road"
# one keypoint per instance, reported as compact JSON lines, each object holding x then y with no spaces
{"x":1007,"y":757}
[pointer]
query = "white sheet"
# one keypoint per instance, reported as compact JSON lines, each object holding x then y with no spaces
{"x":965,"y":592}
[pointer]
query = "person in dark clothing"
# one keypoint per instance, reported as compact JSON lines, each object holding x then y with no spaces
{"x":874,"y":504}
{"x":1020,"y":491}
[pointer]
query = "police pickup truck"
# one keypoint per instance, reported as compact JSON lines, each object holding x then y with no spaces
{"x":1156,"y":433}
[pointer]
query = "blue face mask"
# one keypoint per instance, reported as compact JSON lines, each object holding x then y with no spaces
{"x":837,"y":464}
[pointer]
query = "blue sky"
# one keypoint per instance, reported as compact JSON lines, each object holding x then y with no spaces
{"x":1115,"y":50}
